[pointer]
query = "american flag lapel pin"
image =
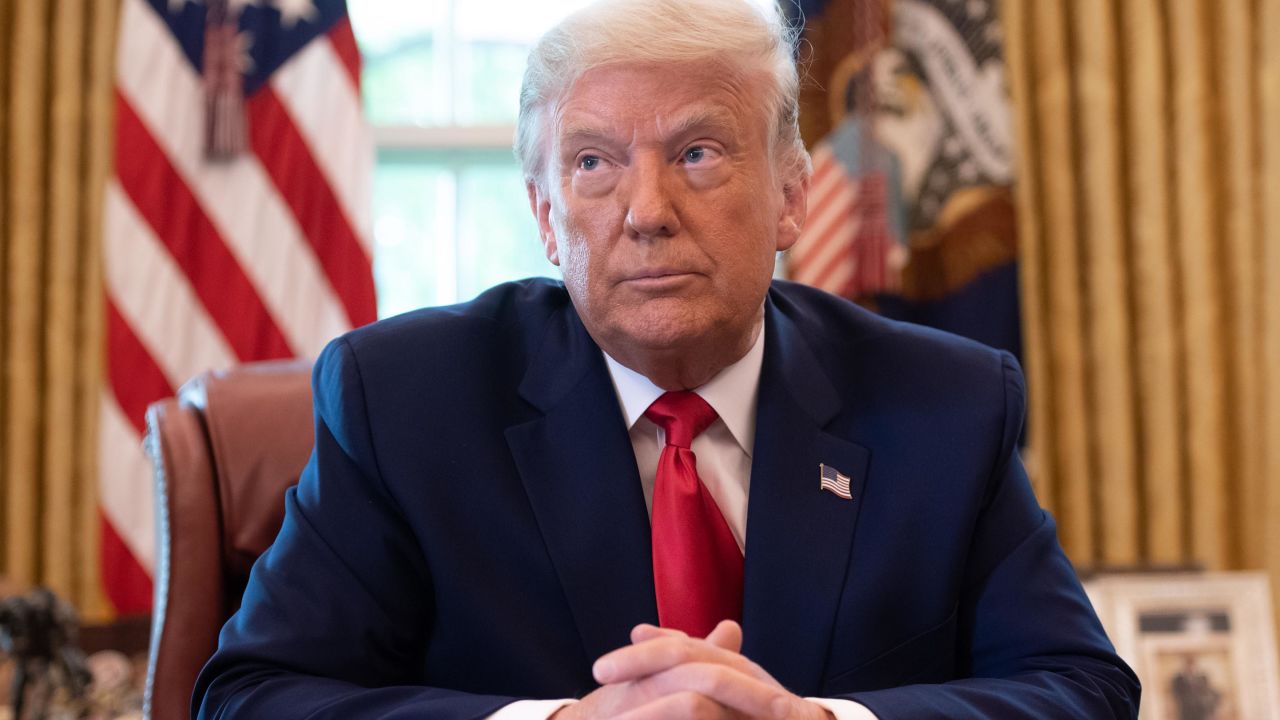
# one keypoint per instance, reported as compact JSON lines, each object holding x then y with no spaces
{"x":834,"y":481}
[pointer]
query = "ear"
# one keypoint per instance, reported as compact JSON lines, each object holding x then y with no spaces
{"x":540,"y":204}
{"x":795,"y":207}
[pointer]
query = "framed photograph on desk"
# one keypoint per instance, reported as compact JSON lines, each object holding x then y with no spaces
{"x":1204,"y":644}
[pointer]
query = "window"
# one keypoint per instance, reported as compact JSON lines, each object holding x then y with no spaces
{"x":441,"y":81}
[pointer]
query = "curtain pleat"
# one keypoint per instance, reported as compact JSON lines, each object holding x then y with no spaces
{"x":1267,"y":51}
{"x":59,"y":529}
{"x":1053,"y":105}
{"x":28,"y":82}
{"x":1236,"y":81}
{"x":1147,"y":158}
{"x":6,"y":30}
{"x":99,"y":131}
{"x":1105,"y":282}
{"x":1199,"y":243}
{"x":55,"y":100}
{"x":1031,"y":263}
{"x":1149,"y":209}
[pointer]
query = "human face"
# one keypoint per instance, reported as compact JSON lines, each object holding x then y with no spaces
{"x":662,"y":204}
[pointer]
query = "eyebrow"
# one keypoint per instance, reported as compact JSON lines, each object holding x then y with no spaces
{"x":716,"y":119}
{"x":583,"y":131}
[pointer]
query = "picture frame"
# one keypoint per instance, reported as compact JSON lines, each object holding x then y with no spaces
{"x":1203,"y":644}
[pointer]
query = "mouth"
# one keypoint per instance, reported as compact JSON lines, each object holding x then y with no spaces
{"x":659,"y":279}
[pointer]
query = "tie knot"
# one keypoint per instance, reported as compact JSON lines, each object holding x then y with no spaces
{"x":682,"y":416}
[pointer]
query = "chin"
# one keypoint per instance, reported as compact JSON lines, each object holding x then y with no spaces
{"x":662,"y":331}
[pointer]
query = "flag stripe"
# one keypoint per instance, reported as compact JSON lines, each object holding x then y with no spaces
{"x":344,"y":44}
{"x":182,"y":338}
{"x":320,"y":109}
{"x":827,"y":176}
{"x":834,"y":198}
{"x":130,"y":588}
{"x":827,"y":238}
{"x":126,"y":497}
{"x":288,"y":161}
{"x":164,"y":200}
{"x":835,"y":221}
{"x":838,"y":277}
{"x":841,"y":270}
{"x":136,"y":380}
{"x":818,"y":246}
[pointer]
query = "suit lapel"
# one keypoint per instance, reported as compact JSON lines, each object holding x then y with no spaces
{"x":579,"y":471}
{"x":798,"y":536}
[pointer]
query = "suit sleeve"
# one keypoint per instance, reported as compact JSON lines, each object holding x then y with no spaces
{"x":1031,"y":645}
{"x":334,"y":619}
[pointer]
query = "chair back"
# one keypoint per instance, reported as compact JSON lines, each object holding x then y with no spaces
{"x":223,"y":452}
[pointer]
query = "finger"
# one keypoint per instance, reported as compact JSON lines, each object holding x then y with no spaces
{"x":680,"y":706}
{"x":722,"y":635}
{"x":725,"y":685}
{"x":634,"y":662}
{"x":645,"y":631}
{"x":727,"y":635}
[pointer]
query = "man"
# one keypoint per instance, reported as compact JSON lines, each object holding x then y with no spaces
{"x":545,"y":493}
{"x":1194,"y":695}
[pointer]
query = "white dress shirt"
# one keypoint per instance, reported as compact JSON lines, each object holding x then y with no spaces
{"x":723,"y":450}
{"x":723,"y":453}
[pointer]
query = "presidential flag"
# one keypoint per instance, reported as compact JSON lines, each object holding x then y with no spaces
{"x":911,"y":209}
{"x":237,"y":220}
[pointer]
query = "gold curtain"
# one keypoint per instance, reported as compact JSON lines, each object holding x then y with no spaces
{"x":1149,"y":210}
{"x":55,"y":110}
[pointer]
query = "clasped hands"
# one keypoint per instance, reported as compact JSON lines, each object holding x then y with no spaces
{"x":665,"y":673}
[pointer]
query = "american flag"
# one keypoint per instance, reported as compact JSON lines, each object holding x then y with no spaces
{"x":847,"y":247}
{"x":834,"y":481}
{"x":237,"y":220}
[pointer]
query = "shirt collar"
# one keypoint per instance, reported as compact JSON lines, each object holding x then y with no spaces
{"x":732,"y":393}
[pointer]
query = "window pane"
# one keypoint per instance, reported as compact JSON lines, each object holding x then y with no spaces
{"x":491,"y":96}
{"x":497,"y":235}
{"x":448,"y":225}
{"x":413,"y":233}
{"x":406,"y":65}
{"x":401,"y":88}
{"x":443,"y":62}
{"x":493,"y":41}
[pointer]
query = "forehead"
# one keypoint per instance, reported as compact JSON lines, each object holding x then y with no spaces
{"x":663,"y":98}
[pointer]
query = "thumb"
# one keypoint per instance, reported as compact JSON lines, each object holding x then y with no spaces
{"x":727,"y":635}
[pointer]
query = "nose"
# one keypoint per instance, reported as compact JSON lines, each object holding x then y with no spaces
{"x":651,"y":210}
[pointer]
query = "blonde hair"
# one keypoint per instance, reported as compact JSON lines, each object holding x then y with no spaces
{"x":663,"y":31}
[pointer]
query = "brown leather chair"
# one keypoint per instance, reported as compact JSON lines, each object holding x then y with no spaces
{"x":224,"y":452}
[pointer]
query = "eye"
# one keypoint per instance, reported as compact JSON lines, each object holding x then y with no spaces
{"x":589,"y":162}
{"x":695,"y":154}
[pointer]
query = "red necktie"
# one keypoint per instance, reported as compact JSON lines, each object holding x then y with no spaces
{"x":697,"y":567}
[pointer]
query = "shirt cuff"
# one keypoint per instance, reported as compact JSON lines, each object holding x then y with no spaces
{"x":844,"y":709}
{"x":536,"y":710}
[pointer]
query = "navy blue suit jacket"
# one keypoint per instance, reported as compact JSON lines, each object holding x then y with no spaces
{"x":471,"y":528}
